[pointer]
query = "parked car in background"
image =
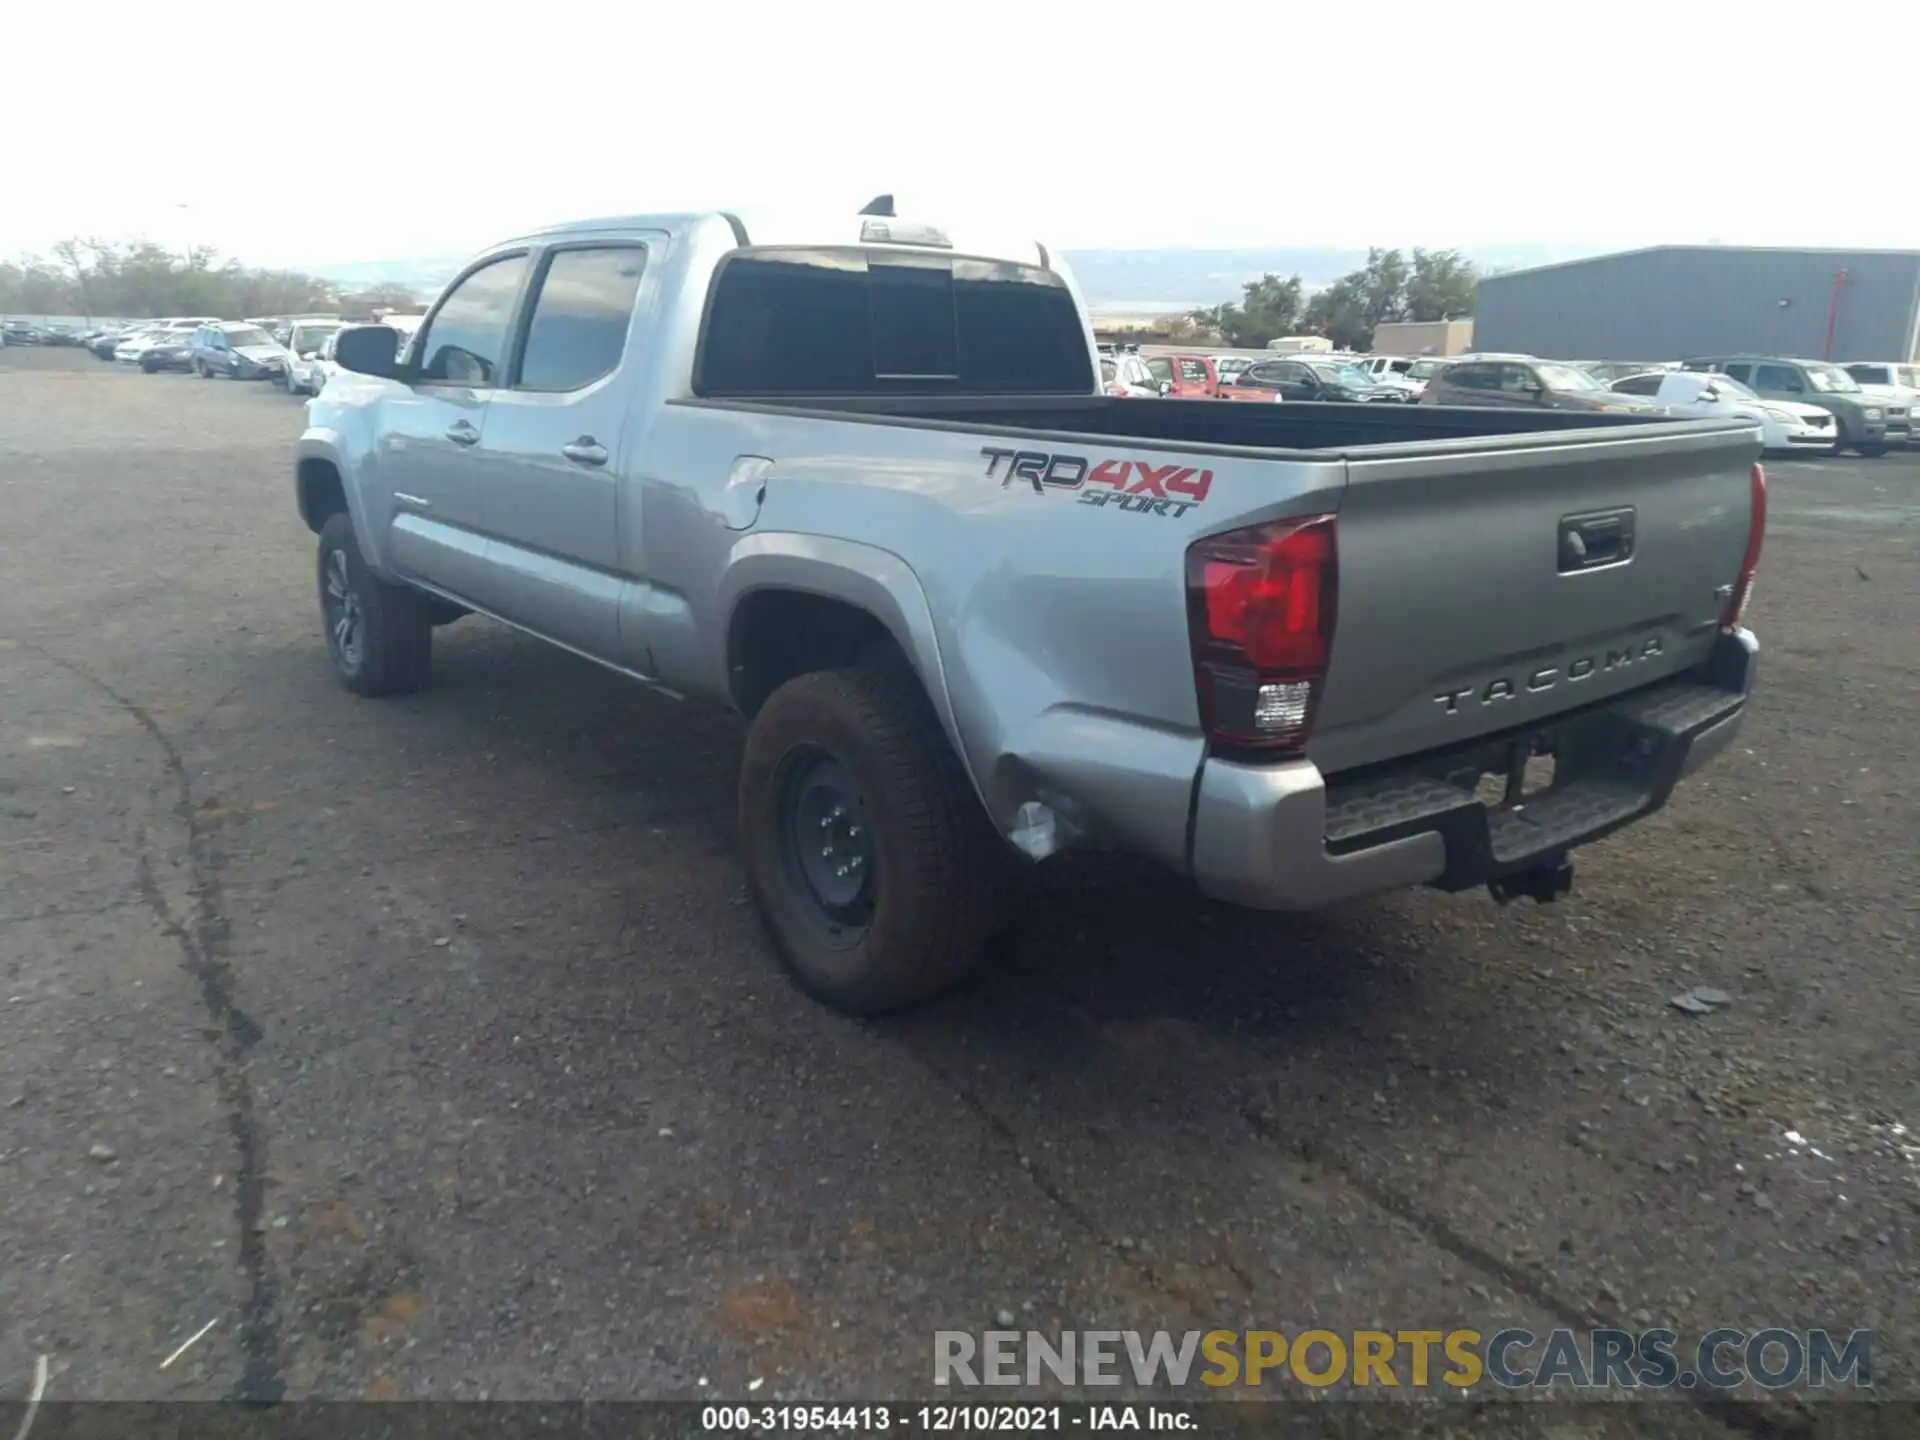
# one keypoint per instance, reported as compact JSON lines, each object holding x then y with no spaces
{"x":1231,"y":367}
{"x":236,"y":350}
{"x":1862,"y":420}
{"x":1608,"y":371}
{"x":1898,"y":385}
{"x":1127,"y":374}
{"x":57,"y":335}
{"x":302,"y":341}
{"x":1312,"y":379}
{"x":1784,"y":425}
{"x":169,"y":350}
{"x":132,"y":345}
{"x":1526,"y":380}
{"x":1396,"y":370}
{"x":1186,"y":377}
{"x":22,"y":332}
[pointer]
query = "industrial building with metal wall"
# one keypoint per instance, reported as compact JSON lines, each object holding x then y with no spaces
{"x":1675,"y":301}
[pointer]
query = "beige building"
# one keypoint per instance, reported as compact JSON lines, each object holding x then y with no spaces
{"x":1423,"y":337}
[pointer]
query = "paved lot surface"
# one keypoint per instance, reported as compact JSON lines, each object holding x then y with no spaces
{"x":430,"y":1048}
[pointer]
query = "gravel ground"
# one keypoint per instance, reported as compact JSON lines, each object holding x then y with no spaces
{"x":429,"y":1047}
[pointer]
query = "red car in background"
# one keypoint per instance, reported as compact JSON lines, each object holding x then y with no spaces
{"x":1191,"y":377}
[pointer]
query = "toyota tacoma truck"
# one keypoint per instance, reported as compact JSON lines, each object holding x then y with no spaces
{"x":856,"y":480}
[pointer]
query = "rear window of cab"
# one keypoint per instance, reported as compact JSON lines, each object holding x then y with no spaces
{"x":858,"y":322}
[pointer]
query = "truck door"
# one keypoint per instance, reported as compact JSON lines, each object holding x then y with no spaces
{"x":552,"y":450}
{"x":438,"y":521}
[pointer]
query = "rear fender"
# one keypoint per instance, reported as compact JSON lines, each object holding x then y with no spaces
{"x":864,"y":576}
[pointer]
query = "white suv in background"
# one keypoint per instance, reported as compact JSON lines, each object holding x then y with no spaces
{"x":1896,"y":384}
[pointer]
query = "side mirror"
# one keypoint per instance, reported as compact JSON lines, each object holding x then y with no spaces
{"x":1166,"y":387}
{"x":1709,"y":393}
{"x":368,"y":350}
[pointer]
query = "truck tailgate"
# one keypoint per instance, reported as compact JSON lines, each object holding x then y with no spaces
{"x":1486,"y":585}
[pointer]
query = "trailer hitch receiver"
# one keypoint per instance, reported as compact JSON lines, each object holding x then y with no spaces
{"x":1545,"y":882}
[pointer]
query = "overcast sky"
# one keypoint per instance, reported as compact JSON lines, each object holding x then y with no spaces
{"x":346,"y":131}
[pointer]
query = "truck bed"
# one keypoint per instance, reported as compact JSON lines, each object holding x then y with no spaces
{"x":1459,"y":615}
{"x":1301,"y":429}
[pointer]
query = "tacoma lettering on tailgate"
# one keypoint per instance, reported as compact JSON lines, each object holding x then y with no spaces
{"x":1506,"y":687}
{"x":1138,"y":486}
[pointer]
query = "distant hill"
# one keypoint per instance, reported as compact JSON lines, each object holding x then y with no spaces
{"x":1172,"y":279}
{"x":1187,"y":279}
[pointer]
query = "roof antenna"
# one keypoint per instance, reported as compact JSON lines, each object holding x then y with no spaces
{"x":879,"y":205}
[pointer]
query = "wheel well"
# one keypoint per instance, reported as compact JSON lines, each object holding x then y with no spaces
{"x":778,"y":634}
{"x":321,"y":493}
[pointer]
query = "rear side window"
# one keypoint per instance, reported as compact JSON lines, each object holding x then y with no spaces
{"x":1871,"y":374}
{"x":1739,"y":370}
{"x":1192,"y":370}
{"x":1775,"y":377}
{"x":827,"y":322}
{"x":1468,"y":377}
{"x":1160,"y":368}
{"x":467,"y":337}
{"x":1639,"y":385}
{"x":579,"y":325}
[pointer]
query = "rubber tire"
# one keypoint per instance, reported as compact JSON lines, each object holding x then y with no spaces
{"x":200,"y":369}
{"x":938,"y":864}
{"x":1872,"y":452}
{"x":398,"y":641}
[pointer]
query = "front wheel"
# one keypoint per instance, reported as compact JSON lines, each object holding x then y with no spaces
{"x":869,"y":857}
{"x":379,"y":635}
{"x":1872,"y":450}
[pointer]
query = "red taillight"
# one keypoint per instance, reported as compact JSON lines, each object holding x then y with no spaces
{"x":1260,"y":605}
{"x":1756,"y":532}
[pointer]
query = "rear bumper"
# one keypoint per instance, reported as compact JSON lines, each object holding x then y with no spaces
{"x":1281,"y":837}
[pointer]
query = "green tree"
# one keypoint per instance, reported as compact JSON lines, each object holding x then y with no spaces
{"x":1347,"y":311}
{"x":1269,"y":308}
{"x":1441,"y":286}
{"x":1339,"y":312}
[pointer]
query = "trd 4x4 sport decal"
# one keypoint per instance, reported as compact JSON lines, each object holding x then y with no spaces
{"x":1139,"y":486}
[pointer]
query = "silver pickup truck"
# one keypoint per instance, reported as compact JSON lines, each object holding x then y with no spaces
{"x":856,"y":481}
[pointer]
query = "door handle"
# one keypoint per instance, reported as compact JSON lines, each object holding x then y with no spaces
{"x":585,"y":451}
{"x":1588,"y":542}
{"x":461,"y":432}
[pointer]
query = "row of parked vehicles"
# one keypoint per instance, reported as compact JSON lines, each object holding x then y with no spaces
{"x":1800,"y":405}
{"x":293,"y":351}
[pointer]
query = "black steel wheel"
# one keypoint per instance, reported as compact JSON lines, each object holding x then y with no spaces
{"x":870,"y":858}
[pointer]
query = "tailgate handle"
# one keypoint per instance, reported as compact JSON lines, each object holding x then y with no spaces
{"x":1602,"y":537}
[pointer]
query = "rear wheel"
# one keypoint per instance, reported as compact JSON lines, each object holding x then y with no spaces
{"x":1872,"y":450}
{"x":379,"y":635}
{"x":868,"y":854}
{"x":200,"y":369}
